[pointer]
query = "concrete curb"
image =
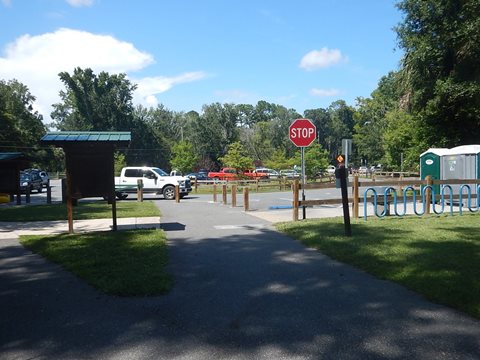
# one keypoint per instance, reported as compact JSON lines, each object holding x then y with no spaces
{"x":15,"y":229}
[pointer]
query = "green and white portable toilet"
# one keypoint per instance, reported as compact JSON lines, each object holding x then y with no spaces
{"x":461,"y":162}
{"x":431,"y":165}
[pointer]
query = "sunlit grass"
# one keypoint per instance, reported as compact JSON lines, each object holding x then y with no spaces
{"x":83,"y":211}
{"x":124,"y":263}
{"x":438,"y":257}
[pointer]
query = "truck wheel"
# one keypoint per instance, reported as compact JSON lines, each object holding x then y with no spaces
{"x":169,"y":192}
{"x":121,"y":196}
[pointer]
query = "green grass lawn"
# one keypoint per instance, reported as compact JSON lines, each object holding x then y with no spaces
{"x":124,"y":263}
{"x":83,"y":211}
{"x":438,"y":257}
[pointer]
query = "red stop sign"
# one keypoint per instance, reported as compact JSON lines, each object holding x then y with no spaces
{"x":302,"y":132}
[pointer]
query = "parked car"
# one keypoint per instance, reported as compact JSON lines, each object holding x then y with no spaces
{"x":31,"y":181}
{"x":289,"y":173}
{"x":331,"y":170}
{"x":43,"y":175}
{"x":269,"y":173}
{"x":363,"y":170}
{"x":198,"y":176}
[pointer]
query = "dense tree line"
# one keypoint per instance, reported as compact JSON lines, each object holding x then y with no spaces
{"x":432,"y":100}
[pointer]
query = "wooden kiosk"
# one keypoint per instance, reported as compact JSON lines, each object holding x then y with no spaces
{"x":89,"y":165}
{"x":10,"y":166}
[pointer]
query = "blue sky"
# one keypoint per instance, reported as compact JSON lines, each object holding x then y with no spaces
{"x":302,"y":54}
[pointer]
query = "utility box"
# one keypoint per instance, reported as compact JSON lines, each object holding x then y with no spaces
{"x":461,"y":162}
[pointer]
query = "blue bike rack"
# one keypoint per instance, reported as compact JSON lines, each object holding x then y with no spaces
{"x":392,"y":191}
{"x":469,"y":199}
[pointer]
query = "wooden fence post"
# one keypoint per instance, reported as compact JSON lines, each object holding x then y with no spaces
{"x":140,"y":190}
{"x":295,"y":188}
{"x":234,"y":195}
{"x":177,"y":193}
{"x":224,"y":194}
{"x":355,"y":197}
{"x":49,"y":194}
{"x":214,"y":193}
{"x":246,"y":202}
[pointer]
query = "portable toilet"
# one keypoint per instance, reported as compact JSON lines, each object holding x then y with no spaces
{"x":461,"y":162}
{"x":431,"y":164}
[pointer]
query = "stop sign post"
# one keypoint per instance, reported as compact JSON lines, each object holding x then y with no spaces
{"x":302,"y":132}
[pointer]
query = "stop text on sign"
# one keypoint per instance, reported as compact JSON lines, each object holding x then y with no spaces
{"x":302,"y":132}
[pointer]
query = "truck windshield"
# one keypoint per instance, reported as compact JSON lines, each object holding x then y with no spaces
{"x":160,"y":171}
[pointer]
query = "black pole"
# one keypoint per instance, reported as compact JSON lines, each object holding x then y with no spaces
{"x":341,"y":173}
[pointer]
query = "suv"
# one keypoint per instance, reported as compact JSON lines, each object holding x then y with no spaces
{"x":43,"y":175}
{"x":30,"y":181}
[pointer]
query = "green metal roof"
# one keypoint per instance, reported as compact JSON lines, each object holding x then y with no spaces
{"x":11,"y":156}
{"x":87,"y":136}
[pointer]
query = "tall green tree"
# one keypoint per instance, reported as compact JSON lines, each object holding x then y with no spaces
{"x":440,"y":72}
{"x":341,"y":126}
{"x":316,"y":159}
{"x":93,"y":102}
{"x":371,"y":121}
{"x":184,"y":158}
{"x":279,"y":161}
{"x":21,"y":127}
{"x":236,"y":157}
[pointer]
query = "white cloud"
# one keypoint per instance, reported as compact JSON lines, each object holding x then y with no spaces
{"x":319,"y":59}
{"x":324,"y":92}
{"x":6,"y":2}
{"x":148,"y":87}
{"x":80,"y":3}
{"x":37,"y":60}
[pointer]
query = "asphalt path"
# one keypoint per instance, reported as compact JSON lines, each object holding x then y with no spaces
{"x":242,"y":291}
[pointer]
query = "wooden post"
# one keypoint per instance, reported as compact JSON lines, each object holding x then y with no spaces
{"x":140,"y":190}
{"x":355,"y":197}
{"x":295,"y":203}
{"x":112,"y":195}
{"x":428,"y":194}
{"x":258,"y":181}
{"x":224,"y":194}
{"x":70,"y":214}
{"x":49,"y":194}
{"x":246,"y":203}
{"x":64,"y":191}
{"x":342,"y":174}
{"x":177,"y":194}
{"x":28,"y":190}
{"x":214,"y":193}
{"x":196,"y":185}
{"x":234,"y":195}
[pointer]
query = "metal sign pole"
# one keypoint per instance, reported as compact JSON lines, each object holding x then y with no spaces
{"x":304,"y":209}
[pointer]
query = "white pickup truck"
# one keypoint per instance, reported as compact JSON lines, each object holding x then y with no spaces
{"x":154,"y":179}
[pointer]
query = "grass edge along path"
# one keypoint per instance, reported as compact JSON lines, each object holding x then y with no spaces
{"x":85,"y":210}
{"x":436,"y":256}
{"x":123,"y":263}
